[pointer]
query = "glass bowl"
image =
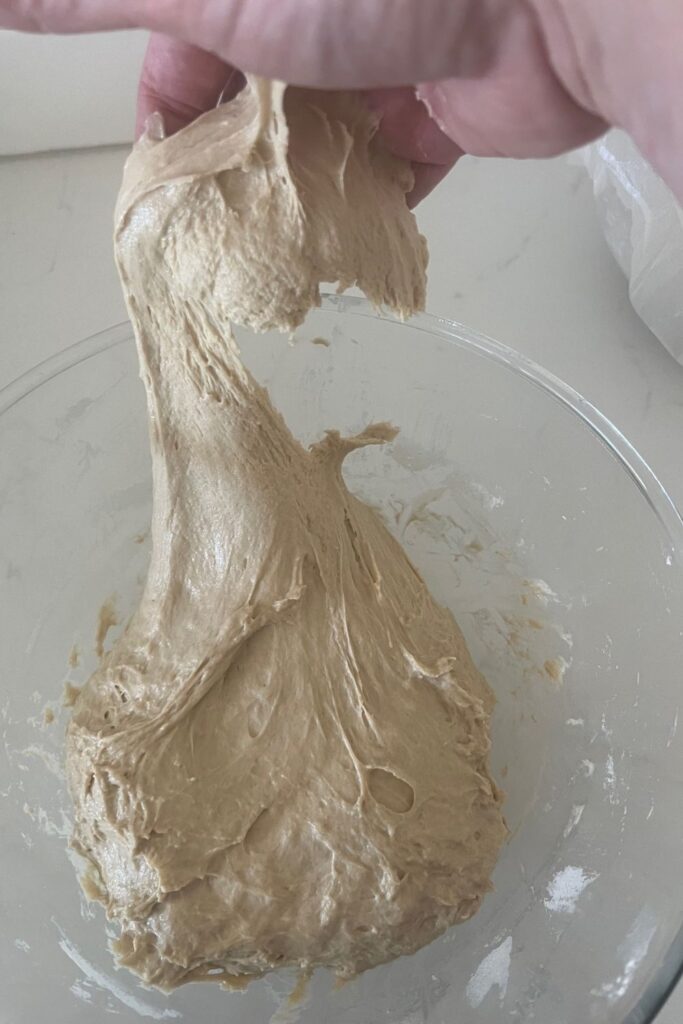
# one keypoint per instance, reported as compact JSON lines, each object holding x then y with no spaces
{"x":558,"y":551}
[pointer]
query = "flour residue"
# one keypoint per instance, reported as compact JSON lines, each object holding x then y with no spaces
{"x":565,"y":888}
{"x":493,"y":972}
{"x":610,"y":781}
{"x":674,"y":729}
{"x":48,"y":825}
{"x":81,"y":991}
{"x":631,"y":952}
{"x":49,"y":758}
{"x":574,"y":819}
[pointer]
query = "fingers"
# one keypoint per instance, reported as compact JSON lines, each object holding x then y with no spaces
{"x":427,"y":177}
{"x":349,"y":44}
{"x":70,"y":15}
{"x":519,"y":109}
{"x":410,"y":132}
{"x":330,"y":43}
{"x":408,"y":129}
{"x":180,"y":81}
{"x":507,"y":98}
{"x":524,"y":77}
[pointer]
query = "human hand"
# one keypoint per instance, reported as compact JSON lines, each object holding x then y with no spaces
{"x":502,"y":77}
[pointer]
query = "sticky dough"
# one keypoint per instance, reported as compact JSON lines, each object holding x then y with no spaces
{"x":283,"y":760}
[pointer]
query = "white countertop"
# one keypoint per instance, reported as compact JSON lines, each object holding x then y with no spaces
{"x":516,"y":252}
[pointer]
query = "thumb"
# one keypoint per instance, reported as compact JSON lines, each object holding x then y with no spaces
{"x":180,"y":82}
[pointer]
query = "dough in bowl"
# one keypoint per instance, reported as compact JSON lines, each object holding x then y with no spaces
{"x":283,"y":759}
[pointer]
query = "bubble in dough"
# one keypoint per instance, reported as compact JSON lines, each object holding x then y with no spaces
{"x":283,"y":759}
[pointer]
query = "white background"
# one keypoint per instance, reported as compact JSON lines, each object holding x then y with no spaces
{"x":67,"y":92}
{"x":515,"y":250}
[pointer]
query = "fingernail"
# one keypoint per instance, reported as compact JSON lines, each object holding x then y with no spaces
{"x":154,"y":127}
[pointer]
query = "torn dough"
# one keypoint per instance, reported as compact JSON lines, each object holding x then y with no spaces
{"x":283,"y":760}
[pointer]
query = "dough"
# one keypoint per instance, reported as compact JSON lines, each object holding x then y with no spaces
{"x":283,"y":760}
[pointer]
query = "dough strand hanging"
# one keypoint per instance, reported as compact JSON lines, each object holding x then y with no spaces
{"x":283,"y":759}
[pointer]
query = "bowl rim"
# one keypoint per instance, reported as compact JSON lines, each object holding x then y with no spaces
{"x":670,"y":972}
{"x":609,"y":435}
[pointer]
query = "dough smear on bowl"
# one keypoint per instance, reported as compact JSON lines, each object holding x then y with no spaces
{"x":283,"y":760}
